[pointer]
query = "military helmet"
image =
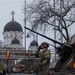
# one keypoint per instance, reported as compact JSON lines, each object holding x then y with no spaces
{"x":44,"y":45}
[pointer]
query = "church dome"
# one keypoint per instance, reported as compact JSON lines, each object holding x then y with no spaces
{"x":34,"y":43}
{"x":15,"y":41}
{"x":13,"y":26}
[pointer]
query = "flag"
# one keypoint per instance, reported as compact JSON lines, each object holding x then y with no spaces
{"x":7,"y":55}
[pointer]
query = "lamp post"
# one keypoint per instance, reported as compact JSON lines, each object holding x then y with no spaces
{"x":29,"y":35}
{"x":61,"y":6}
{"x":54,"y":29}
{"x":25,"y":26}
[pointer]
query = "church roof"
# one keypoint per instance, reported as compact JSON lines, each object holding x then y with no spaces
{"x":34,"y":43}
{"x":15,"y":41}
{"x":13,"y":26}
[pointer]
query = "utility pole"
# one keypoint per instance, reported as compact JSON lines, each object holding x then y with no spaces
{"x":54,"y":29}
{"x":37,"y":37}
{"x":61,"y":6}
{"x":25,"y":26}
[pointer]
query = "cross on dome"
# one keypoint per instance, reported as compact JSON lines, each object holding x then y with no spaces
{"x":12,"y":13}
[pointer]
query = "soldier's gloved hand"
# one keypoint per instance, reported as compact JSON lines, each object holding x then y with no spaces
{"x":44,"y":62}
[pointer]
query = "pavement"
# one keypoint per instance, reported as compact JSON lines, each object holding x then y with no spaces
{"x":19,"y":74}
{"x":55,"y":73}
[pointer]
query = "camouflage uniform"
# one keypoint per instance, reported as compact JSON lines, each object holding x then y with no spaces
{"x":44,"y":55}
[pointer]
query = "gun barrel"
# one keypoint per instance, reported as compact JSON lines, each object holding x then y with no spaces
{"x":44,"y":36}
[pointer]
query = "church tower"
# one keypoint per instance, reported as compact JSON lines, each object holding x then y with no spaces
{"x":13,"y":34}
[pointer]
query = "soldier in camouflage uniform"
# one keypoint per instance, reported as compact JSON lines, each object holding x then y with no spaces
{"x":44,"y":54}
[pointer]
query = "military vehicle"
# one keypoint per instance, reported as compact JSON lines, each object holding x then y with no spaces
{"x":66,"y":53}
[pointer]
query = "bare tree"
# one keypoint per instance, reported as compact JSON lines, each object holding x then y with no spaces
{"x":41,"y":15}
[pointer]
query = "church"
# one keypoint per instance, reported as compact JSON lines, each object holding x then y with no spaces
{"x":13,"y":34}
{"x":13,"y":42}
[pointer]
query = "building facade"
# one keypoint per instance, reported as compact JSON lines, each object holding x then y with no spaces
{"x":13,"y":34}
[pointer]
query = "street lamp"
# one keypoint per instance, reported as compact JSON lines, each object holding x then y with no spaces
{"x":25,"y":26}
{"x":28,"y":35}
{"x":54,"y":29}
{"x":61,"y":6}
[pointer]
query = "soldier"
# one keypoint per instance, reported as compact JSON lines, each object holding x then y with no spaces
{"x":44,"y":54}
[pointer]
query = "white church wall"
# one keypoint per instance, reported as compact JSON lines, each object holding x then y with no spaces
{"x":20,"y":37}
{"x":9,"y":36}
{"x":15,"y":46}
{"x":5,"y":38}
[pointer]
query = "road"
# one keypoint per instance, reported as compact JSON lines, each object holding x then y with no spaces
{"x":65,"y":73}
{"x":40,"y":74}
{"x":20,"y":74}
